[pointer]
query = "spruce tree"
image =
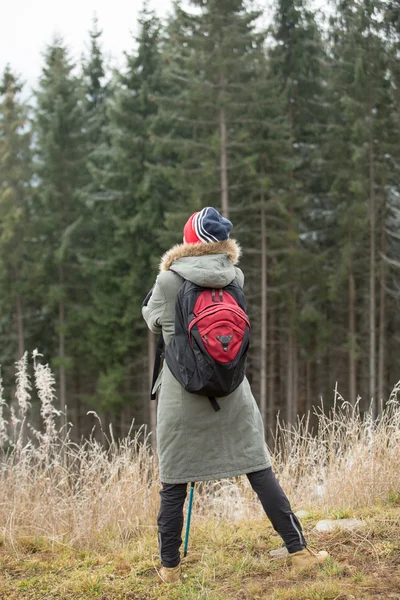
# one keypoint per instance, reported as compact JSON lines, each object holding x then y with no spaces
{"x":128,"y":202}
{"x":348,"y":207}
{"x":362,"y":136}
{"x":15,"y":198}
{"x":210,"y":56}
{"x":60,"y":170}
{"x":389,"y":242}
{"x":93,"y":237}
{"x":266,"y":145}
{"x":297,"y":60}
{"x":96,"y":88}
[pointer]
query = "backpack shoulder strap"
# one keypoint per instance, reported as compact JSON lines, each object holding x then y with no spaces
{"x":157,"y":364}
{"x":160,"y":354}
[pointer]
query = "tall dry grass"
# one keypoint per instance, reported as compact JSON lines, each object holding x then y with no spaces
{"x":348,"y":460}
{"x":94,"y":493}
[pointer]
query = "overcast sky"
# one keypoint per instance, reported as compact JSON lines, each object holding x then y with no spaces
{"x":27,"y":26}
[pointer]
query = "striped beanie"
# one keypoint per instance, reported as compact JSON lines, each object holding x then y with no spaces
{"x":207,"y":226}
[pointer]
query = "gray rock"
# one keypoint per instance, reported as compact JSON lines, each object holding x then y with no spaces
{"x":302,"y":514}
{"x":332,"y":524}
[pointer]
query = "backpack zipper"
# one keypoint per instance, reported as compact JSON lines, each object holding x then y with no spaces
{"x":209,"y":311}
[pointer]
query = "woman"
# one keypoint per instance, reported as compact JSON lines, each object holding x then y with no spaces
{"x":194,"y":441}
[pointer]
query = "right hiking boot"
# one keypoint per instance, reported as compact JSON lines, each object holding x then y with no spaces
{"x":170,"y":574}
{"x":307,"y":558}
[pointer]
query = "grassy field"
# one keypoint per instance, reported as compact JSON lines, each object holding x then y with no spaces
{"x":225,"y":562}
{"x":78,"y":521}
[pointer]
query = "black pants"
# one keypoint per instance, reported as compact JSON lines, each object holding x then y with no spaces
{"x":273,"y":500}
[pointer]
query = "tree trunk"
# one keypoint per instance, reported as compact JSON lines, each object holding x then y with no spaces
{"x":289,"y":380}
{"x":20,"y":326}
{"x":352,"y":348}
{"x":153,"y":403}
{"x":61,"y":350}
{"x":292,"y":364}
{"x":295,"y":381}
{"x":264,"y":333}
{"x":271,"y":368}
{"x":19,"y":316}
{"x":372,"y":268}
{"x":382,"y":309}
{"x":223,"y":154}
{"x":309,"y":403}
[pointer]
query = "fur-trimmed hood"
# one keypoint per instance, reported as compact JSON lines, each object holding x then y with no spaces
{"x":228,"y":247}
{"x":204,"y":264}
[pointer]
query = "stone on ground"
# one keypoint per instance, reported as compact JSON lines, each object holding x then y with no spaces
{"x":332,"y":524}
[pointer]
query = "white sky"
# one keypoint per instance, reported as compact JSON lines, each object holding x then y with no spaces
{"x":28,"y":26}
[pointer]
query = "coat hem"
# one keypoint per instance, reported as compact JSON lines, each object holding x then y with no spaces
{"x":225,"y":475}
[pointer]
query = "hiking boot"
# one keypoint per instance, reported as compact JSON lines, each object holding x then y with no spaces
{"x":307,"y":558}
{"x":170,"y":574}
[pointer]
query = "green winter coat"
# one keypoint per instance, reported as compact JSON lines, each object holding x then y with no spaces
{"x":194,"y":442}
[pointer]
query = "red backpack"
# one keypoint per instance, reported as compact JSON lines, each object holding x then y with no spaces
{"x":208,"y":353}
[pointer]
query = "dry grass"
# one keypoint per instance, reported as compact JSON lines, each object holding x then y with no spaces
{"x":82,"y":494}
{"x":349,"y":461}
{"x":86,"y":512}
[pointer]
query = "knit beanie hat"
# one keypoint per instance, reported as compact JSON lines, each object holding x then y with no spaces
{"x":207,"y":226}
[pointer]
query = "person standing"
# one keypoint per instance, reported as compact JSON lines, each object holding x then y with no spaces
{"x":196,"y":442}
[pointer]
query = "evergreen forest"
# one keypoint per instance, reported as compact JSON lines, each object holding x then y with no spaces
{"x":291,"y":130}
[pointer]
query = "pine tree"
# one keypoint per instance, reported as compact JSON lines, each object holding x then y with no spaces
{"x":93,"y":237}
{"x":266,"y":146}
{"x":210,"y":56}
{"x":362,"y":135}
{"x":61,"y":172}
{"x":389,"y":242}
{"x":297,"y":59}
{"x":97,"y":89}
{"x":15,"y":197}
{"x":348,"y":208}
{"x":128,"y":201}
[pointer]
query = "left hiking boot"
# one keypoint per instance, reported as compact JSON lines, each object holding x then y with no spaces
{"x":170,"y":574}
{"x":307,"y":558}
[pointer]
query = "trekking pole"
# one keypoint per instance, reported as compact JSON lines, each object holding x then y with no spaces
{"x":185,"y":548}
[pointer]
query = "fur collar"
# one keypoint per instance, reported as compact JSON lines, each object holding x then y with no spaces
{"x":229,"y":247}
